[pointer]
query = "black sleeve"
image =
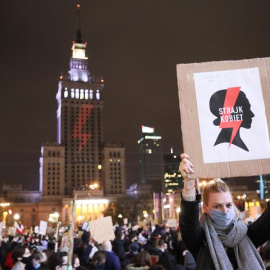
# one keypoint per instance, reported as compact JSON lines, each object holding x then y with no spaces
{"x":259,"y":231}
{"x":190,"y":228}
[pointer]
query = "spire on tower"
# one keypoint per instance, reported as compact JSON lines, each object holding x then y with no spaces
{"x":79,"y":33}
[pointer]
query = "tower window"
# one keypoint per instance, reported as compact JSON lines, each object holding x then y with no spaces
{"x":77,"y":93}
{"x":91,"y":94}
{"x":86,"y":94}
{"x":66,"y":93}
{"x":72,"y":93}
{"x":81,"y":94}
{"x":97,"y":95}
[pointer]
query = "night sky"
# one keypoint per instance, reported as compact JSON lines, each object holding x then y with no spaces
{"x":134,"y":44}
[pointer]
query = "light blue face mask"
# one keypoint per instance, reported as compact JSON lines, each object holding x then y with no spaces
{"x":222,"y":219}
{"x":37,"y":266}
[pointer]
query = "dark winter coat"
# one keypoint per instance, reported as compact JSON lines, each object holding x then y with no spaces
{"x":112,"y":261}
{"x":194,"y":239}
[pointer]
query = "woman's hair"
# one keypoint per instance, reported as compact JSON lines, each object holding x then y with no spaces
{"x":159,"y":243}
{"x":37,"y":255}
{"x":143,"y":258}
{"x":18,"y":252}
{"x":215,"y":186}
{"x":99,"y":258}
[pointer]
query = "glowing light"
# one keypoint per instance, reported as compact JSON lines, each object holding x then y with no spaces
{"x":4,"y":204}
{"x":99,"y":167}
{"x":94,"y":186}
{"x":61,"y":77}
{"x":16,"y":216}
{"x":178,"y":210}
{"x":102,"y":80}
{"x":120,"y":216}
{"x":97,"y":201}
{"x":147,"y":129}
{"x":10,"y":212}
{"x":166,"y":206}
{"x":85,"y":43}
{"x":78,"y":5}
{"x":153,"y":137}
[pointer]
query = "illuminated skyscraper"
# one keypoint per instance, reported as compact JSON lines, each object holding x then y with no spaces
{"x":151,"y":159}
{"x":80,"y":119}
{"x":172,"y":176}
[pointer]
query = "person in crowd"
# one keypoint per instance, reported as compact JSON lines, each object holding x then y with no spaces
{"x":133,"y":250}
{"x":57,"y":261}
{"x":142,"y":261}
{"x":44,"y":241}
{"x":169,"y":262}
{"x":132,"y":238}
{"x":37,"y":260}
{"x":21,"y":256}
{"x":112,"y":261}
{"x":98,"y":261}
{"x":189,"y":262}
{"x":220,"y":240}
{"x":159,"y":249}
{"x":84,"y":249}
{"x":118,"y":247}
{"x":178,"y":247}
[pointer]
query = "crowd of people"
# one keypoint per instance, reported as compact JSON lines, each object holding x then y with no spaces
{"x":132,"y":249}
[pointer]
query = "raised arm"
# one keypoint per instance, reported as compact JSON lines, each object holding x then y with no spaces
{"x":191,"y":231}
{"x":186,"y":170}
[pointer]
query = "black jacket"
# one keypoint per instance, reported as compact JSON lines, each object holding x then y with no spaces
{"x":194,"y":239}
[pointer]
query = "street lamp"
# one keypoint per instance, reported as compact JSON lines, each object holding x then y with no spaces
{"x":16,"y":216}
{"x":120,"y":216}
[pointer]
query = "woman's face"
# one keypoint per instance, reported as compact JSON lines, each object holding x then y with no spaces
{"x":221,"y":201}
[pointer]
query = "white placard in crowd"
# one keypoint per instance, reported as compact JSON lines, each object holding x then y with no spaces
{"x":125,"y":221}
{"x":42,"y":227}
{"x":172,"y":223}
{"x":102,"y":229}
{"x":36,"y":230}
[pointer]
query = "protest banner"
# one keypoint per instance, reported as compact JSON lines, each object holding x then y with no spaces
{"x":225,"y":116}
{"x":42,"y":227}
{"x":102,"y":229}
{"x":172,"y":223}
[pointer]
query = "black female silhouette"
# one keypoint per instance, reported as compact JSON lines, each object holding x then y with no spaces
{"x":241,"y":107}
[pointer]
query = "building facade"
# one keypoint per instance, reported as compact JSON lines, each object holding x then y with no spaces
{"x":52,"y":170}
{"x":172,"y":177}
{"x":114,"y":168}
{"x":80,"y":120}
{"x":151,"y":159}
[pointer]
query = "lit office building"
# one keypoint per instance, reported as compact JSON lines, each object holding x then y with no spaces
{"x":172,"y":176}
{"x":151,"y":159}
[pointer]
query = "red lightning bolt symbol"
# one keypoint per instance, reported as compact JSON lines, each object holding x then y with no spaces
{"x":230,"y":99}
{"x":81,"y":120}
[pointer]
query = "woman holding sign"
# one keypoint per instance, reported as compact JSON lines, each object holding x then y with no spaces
{"x":220,"y":240}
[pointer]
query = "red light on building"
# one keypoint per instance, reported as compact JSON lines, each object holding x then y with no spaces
{"x":78,"y":5}
{"x":85,"y":43}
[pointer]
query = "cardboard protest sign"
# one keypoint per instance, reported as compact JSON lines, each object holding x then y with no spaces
{"x":102,"y":229}
{"x":64,"y":241}
{"x":172,"y":223}
{"x":42,"y":227}
{"x":225,"y":116}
